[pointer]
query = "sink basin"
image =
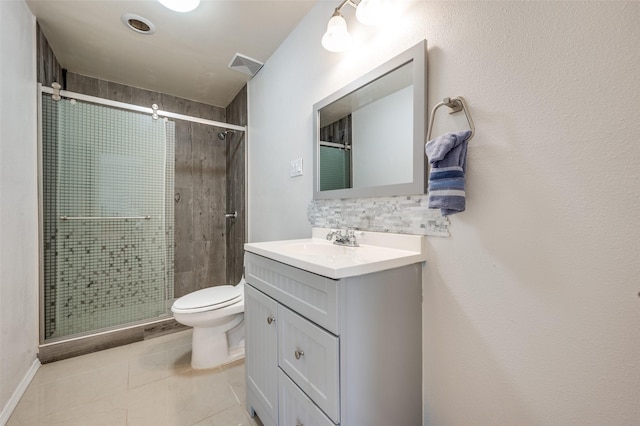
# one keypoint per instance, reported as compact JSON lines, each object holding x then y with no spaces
{"x":377,"y":251}
{"x":319,"y":248}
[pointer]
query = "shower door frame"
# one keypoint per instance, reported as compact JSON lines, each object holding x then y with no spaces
{"x":156,"y":113}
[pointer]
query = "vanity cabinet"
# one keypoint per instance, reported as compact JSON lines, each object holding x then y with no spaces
{"x":261,"y":377}
{"x":323,"y":351}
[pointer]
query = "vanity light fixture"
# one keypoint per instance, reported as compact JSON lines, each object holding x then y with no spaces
{"x":180,"y":5}
{"x":337,"y":38}
{"x":372,"y":12}
{"x":368,"y":12}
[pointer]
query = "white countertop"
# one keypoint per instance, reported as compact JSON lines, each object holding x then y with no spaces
{"x":378,"y":251}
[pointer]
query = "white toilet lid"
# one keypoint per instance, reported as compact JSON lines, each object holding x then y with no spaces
{"x":212,"y":297}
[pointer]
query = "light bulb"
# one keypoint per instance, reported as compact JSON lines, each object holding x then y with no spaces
{"x":372,"y":12}
{"x":180,"y":5}
{"x":337,"y":38}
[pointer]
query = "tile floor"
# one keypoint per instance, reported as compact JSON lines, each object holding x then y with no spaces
{"x":147,"y":383}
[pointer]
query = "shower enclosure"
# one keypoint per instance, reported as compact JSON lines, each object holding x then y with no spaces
{"x":107,"y":177}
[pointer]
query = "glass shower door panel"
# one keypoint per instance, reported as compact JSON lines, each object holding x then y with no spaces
{"x":113,"y":235}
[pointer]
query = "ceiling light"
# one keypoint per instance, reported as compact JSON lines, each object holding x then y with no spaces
{"x":138,"y":24}
{"x":337,"y":38}
{"x":369,"y":12}
{"x":180,"y":5}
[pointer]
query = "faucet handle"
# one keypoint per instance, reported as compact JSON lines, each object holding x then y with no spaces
{"x":351,"y":237}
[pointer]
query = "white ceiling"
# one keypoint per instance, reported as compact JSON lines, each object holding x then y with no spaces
{"x":189,"y":54}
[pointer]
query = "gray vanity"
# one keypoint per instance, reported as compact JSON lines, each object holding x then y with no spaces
{"x":333,"y":334}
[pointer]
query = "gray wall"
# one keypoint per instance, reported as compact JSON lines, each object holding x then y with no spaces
{"x":49,"y":70}
{"x":236,"y":193}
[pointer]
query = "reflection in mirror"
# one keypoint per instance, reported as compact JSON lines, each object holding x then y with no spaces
{"x":369,"y":136}
{"x":368,"y":130}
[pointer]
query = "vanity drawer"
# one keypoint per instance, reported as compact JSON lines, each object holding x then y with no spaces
{"x":302,"y":291}
{"x":295,"y":408}
{"x":310,"y":355}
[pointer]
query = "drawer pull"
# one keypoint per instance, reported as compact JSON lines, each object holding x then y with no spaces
{"x":298,"y":353}
{"x":270,"y":320}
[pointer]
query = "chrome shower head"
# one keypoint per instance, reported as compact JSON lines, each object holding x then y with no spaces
{"x":223,"y":135}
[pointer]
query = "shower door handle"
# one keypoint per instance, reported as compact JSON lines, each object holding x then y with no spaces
{"x":103,"y":217}
{"x":233,"y":215}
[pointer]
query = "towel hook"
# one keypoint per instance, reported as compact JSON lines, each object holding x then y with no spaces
{"x":456,"y":105}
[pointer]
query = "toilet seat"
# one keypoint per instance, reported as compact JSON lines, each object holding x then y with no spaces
{"x":208,"y":299}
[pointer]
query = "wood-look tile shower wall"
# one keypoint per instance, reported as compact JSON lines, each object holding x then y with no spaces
{"x":236,"y":146}
{"x":49,"y":70}
{"x":208,"y":247}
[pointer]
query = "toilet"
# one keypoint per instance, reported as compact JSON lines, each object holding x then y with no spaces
{"x":217,"y":317}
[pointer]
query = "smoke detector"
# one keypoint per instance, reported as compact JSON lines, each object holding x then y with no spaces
{"x":245,"y":64}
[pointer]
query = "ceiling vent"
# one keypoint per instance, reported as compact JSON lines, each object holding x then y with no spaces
{"x":245,"y":64}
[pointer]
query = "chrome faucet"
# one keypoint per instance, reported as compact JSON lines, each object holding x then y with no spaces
{"x":343,"y":238}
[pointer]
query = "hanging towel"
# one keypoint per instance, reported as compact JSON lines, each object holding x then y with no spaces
{"x":447,"y":155}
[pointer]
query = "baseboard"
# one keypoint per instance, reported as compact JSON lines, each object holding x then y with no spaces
{"x":17,"y":394}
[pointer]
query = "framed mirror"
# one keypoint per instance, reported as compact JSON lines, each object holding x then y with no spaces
{"x":369,"y":136}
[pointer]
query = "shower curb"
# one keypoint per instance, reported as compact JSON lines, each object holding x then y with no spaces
{"x":69,"y":348}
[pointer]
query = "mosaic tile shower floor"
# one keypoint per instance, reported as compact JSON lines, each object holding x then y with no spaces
{"x":147,"y":383}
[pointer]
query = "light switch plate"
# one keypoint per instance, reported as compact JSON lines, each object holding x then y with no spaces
{"x":295,"y":169}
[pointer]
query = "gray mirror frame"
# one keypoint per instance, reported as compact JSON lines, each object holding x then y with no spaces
{"x":418,"y":55}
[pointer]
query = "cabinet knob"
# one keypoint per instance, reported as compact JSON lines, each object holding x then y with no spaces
{"x":298,"y":353}
{"x":270,"y":319}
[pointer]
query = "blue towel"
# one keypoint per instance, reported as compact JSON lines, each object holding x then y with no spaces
{"x":447,"y":155}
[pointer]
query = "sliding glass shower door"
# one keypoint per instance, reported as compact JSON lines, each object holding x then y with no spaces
{"x":107,"y":187}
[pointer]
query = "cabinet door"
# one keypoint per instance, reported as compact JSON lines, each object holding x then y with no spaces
{"x":309,"y":355}
{"x":261,"y":354}
{"x":296,"y":408}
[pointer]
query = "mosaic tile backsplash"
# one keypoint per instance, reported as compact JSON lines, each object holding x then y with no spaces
{"x":101,"y":164}
{"x":401,"y":214}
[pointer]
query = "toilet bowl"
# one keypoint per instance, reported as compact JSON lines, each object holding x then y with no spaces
{"x":217,"y":317}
